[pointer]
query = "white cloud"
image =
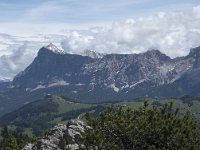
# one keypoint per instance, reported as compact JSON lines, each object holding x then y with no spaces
{"x":196,"y":11}
{"x":76,"y":40}
{"x":14,"y":62}
{"x":173,"y":33}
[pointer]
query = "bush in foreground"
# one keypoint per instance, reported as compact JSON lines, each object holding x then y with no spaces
{"x":146,"y":128}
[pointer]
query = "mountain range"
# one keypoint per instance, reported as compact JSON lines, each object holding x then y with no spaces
{"x":94,"y":77}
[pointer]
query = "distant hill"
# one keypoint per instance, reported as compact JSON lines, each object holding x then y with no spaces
{"x":96,"y":78}
{"x":36,"y":117}
{"x":40,"y":115}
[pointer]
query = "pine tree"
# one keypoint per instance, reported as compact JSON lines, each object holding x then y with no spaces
{"x":12,"y":140}
{"x":13,"y":144}
{"x":5,"y":137}
{"x":146,"y":128}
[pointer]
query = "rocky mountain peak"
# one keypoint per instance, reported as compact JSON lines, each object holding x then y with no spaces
{"x":92,"y":54}
{"x":195,"y":52}
{"x":194,"y":56}
{"x":54,"y":48}
{"x":156,"y":54}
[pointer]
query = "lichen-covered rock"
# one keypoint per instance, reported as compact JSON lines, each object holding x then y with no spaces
{"x":60,"y":137}
{"x":28,"y":147}
{"x":73,"y":132}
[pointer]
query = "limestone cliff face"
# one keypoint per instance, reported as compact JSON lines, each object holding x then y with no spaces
{"x":118,"y":75}
{"x":108,"y":77}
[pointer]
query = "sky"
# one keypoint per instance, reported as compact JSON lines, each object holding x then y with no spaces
{"x":106,"y":26}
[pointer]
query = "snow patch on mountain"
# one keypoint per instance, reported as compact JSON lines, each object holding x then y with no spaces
{"x":54,"y":49}
{"x":116,"y":89}
{"x":92,"y":54}
{"x":137,"y":83}
{"x":125,"y":86}
{"x":38,"y":87}
{"x":58,"y":83}
{"x":80,"y":84}
{"x":2,"y":79}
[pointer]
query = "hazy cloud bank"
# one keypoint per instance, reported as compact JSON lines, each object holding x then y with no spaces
{"x":173,"y":33}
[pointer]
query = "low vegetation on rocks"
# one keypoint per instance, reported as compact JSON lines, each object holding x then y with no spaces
{"x":159,"y":128}
{"x":118,"y":128}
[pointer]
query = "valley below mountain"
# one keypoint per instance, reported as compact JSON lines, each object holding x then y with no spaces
{"x":35,"y":118}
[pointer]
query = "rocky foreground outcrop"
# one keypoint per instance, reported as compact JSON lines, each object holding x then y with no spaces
{"x":60,"y":137}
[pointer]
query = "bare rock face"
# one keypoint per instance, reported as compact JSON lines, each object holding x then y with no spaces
{"x":60,"y":137}
{"x":116,"y":74}
{"x":74,"y":130}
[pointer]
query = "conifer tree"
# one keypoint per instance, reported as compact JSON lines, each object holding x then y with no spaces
{"x":146,"y":128}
